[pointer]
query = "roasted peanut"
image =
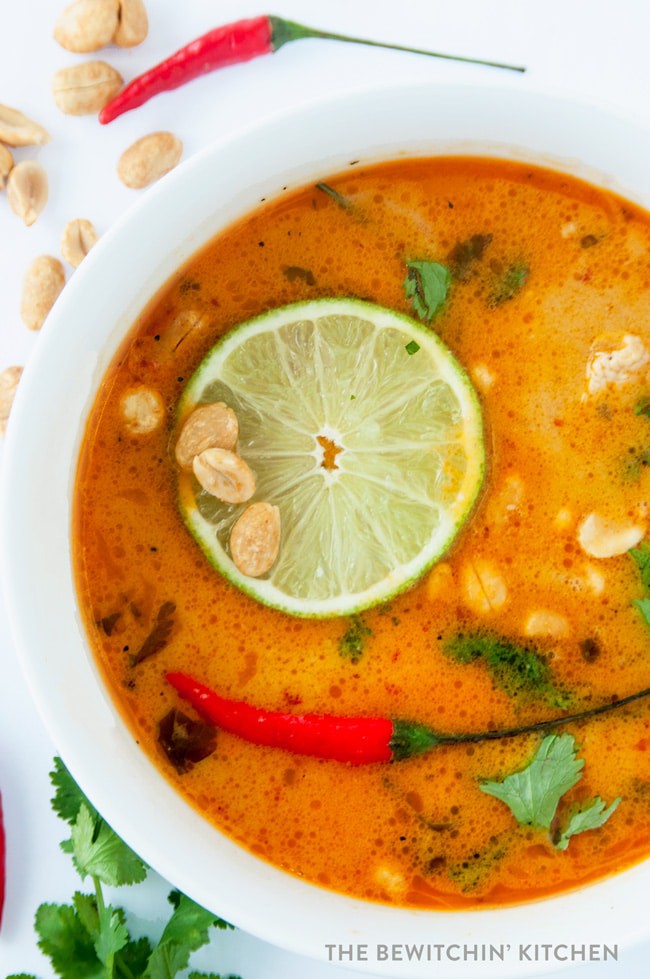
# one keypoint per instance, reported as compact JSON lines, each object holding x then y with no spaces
{"x":87,"y":25}
{"x":149,"y":159}
{"x":27,"y":190}
{"x":78,"y":238}
{"x":85,"y":88}
{"x":142,"y":410}
{"x":6,"y":164}
{"x":133,"y":23}
{"x":44,"y":280}
{"x":224,"y":474}
{"x":546,"y":624}
{"x":9,"y":379}
{"x":255,"y":539}
{"x":212,"y":426}
{"x":17,"y":130}
{"x":602,"y":538}
{"x":484,"y":588}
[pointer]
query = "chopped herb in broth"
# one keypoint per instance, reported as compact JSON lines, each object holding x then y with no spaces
{"x":548,"y":582}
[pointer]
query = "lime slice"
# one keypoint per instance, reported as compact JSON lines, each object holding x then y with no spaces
{"x":363,"y":429}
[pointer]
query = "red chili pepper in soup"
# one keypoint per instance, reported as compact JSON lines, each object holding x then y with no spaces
{"x":357,"y":740}
{"x":233,"y":44}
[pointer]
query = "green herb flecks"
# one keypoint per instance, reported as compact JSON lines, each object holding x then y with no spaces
{"x":635,"y":461}
{"x":337,"y":197}
{"x":509,"y":284}
{"x":352,"y":643}
{"x":89,"y":939}
{"x":426,"y":285}
{"x":642,"y":407}
{"x":521,"y":671}
{"x":466,"y":254}
{"x":534,"y":793}
{"x":412,"y":347}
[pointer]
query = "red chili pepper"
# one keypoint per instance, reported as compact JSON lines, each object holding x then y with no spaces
{"x":358,"y":740}
{"x":235,"y":43}
{"x":3,"y":863}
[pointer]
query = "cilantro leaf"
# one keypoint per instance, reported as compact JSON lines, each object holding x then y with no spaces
{"x":99,"y":852}
{"x":132,"y":959}
{"x":184,"y":933}
{"x":519,"y":670}
{"x":534,"y":792}
{"x":111,"y":937}
{"x":65,"y":940}
{"x":426,"y":285}
{"x":24,"y":975}
{"x":641,"y":557}
{"x":588,"y":815}
{"x":643,"y":605}
{"x":68,"y":797}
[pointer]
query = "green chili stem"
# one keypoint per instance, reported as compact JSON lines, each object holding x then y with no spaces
{"x":541,"y":725}
{"x":289,"y":30}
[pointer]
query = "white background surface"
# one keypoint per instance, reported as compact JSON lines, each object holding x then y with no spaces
{"x":594,"y":50}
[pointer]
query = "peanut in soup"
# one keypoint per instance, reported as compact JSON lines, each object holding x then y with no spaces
{"x":540,"y":610}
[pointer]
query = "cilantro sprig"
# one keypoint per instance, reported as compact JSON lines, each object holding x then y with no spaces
{"x":533,"y":794}
{"x":90,"y":939}
{"x":426,"y":285}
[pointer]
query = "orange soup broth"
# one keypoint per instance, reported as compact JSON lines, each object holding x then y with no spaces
{"x":417,"y":832}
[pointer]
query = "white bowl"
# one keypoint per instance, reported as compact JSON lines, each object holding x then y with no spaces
{"x":81,"y":336}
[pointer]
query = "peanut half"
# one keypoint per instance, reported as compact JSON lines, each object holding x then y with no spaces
{"x":9,"y":379}
{"x":78,"y":238}
{"x":148,"y":159}
{"x":133,"y":24}
{"x":212,"y":426}
{"x":143,"y":410}
{"x":87,"y":25}
{"x":224,"y":474}
{"x":27,"y":190}
{"x":43,"y":282}
{"x":6,"y":164}
{"x":255,"y":539}
{"x":86,"y":88}
{"x":17,"y":130}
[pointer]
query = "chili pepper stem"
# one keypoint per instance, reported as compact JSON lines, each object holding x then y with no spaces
{"x":540,"y":725}
{"x":283,"y":31}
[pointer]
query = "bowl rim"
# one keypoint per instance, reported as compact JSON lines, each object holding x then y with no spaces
{"x":76,"y":708}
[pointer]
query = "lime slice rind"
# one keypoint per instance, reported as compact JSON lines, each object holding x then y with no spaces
{"x":411,"y":468}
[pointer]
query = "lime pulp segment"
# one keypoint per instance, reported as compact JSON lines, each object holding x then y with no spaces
{"x":363,"y":429}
